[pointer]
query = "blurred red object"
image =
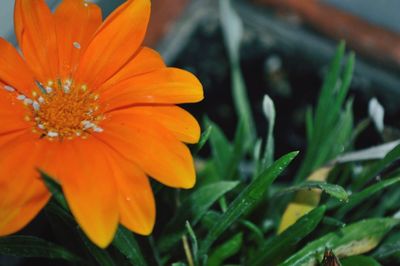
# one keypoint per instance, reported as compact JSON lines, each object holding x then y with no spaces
{"x":163,"y":15}
{"x":367,"y":39}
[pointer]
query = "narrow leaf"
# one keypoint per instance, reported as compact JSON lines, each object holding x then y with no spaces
{"x":250,"y":196}
{"x":378,"y":167}
{"x":193,"y":210}
{"x":232,"y":29}
{"x":226,"y":250}
{"x":55,"y":190}
{"x":29,"y":246}
{"x":358,"y":198}
{"x":333,"y":190}
{"x":355,"y":239}
{"x":359,"y":261}
{"x":102,"y":257}
{"x":203,"y":139}
{"x":126,"y":243}
{"x":289,"y":238}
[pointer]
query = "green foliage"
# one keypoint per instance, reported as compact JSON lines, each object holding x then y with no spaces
{"x":354,"y":239}
{"x":331,"y":189}
{"x":126,"y":243}
{"x":29,"y":246}
{"x":232,"y":28}
{"x":226,"y":250}
{"x":330,"y":129}
{"x":246,"y":200}
{"x":279,"y":245}
{"x":359,"y":261}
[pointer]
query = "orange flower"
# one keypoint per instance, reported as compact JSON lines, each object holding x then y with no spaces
{"x":91,"y":107}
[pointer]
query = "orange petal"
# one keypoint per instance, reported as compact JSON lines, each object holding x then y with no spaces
{"x":35,"y":31}
{"x":156,"y":151}
{"x":12,"y":112}
{"x":135,"y":197}
{"x":182,"y":124}
{"x":115,"y":43}
{"x":167,"y":85}
{"x":89,"y":187}
{"x":146,"y":60}
{"x":22,"y":193}
{"x":13,"y":70}
{"x":76,"y":23}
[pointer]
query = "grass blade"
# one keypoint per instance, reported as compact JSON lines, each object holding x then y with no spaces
{"x":193,"y":210}
{"x":226,"y":250}
{"x":126,"y":243}
{"x":358,"y":198}
{"x":354,"y":239}
{"x":250,"y":196}
{"x":289,"y":238}
{"x":33,"y":247}
{"x":333,"y":190}
{"x":359,"y":261}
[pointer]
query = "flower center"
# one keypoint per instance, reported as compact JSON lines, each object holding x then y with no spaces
{"x":63,"y":110}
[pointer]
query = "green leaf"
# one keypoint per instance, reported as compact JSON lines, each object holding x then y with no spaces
{"x":193,"y":209}
{"x":102,"y":257}
{"x":328,"y":87}
{"x":238,"y":151}
{"x":232,"y":29}
{"x":331,"y":189}
{"x":289,"y":238}
{"x":220,"y":147}
{"x":193,"y":239}
{"x":55,"y":189}
{"x":126,"y":243}
{"x":226,"y":250}
{"x":178,"y":264}
{"x":343,"y":90}
{"x":358,"y":198}
{"x":203,"y":139}
{"x":33,"y":247}
{"x":330,"y":131}
{"x":387,"y":250}
{"x":354,"y":239}
{"x":309,"y":124}
{"x":359,"y":261}
{"x":378,"y":167}
{"x":249,"y":197}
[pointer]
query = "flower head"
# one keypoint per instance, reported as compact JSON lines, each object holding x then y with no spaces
{"x":88,"y":105}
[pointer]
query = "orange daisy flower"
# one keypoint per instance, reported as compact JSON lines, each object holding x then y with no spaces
{"x":87,"y":104}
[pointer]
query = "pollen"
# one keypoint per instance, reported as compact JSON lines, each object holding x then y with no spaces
{"x":63,"y":110}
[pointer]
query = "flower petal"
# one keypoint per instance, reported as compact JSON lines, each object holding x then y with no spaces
{"x":76,"y":23}
{"x":89,"y":187}
{"x":23,"y":194}
{"x":13,"y":70}
{"x":12,"y":112}
{"x":166,"y":86}
{"x":35,"y":31}
{"x":153,"y":148}
{"x":135,"y":196}
{"x":181,"y":123}
{"x":146,"y":60}
{"x":115,"y":43}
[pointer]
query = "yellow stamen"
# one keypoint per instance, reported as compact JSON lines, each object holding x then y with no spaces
{"x":65,"y":111}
